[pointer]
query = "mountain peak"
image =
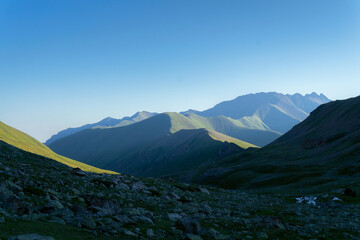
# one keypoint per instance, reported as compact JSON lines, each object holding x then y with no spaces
{"x":278,"y":111}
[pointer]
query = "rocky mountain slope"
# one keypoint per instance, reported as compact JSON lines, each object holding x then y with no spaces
{"x":322,"y":150}
{"x":43,"y":199}
{"x":106,"y":122}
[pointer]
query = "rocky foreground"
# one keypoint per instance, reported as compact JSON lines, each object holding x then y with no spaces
{"x":49,"y":200}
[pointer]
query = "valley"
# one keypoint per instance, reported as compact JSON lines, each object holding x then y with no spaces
{"x":178,"y":176}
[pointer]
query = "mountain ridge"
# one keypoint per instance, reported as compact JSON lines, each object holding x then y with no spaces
{"x":106,"y":122}
{"x":118,"y":148}
{"x":273,"y":111}
{"x":271,"y":107}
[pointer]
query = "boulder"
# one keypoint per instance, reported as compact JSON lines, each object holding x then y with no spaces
{"x":188,"y":225}
{"x":78,"y":172}
{"x":349,"y":192}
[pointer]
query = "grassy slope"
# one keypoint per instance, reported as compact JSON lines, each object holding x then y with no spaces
{"x":323,"y":150}
{"x":248,"y":129}
{"x":193,"y":121}
{"x":23,"y":141}
{"x":224,"y":138}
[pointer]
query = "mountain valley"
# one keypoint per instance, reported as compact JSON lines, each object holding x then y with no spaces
{"x":185,"y":176}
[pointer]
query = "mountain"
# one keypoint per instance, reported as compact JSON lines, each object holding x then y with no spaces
{"x":277,"y":111}
{"x":323,"y":150}
{"x":106,"y":122}
{"x":23,"y":141}
{"x":163,"y":140}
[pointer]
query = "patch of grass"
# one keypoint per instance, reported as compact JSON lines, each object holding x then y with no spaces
{"x":34,"y":191}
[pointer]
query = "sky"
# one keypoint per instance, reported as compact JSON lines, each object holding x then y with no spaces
{"x":67,"y":63}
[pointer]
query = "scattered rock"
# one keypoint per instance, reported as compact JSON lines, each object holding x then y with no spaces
{"x":269,"y":222}
{"x":174,"y":196}
{"x":129,"y":233}
{"x":262,"y":235}
{"x":150,"y":233}
{"x":174,"y":216}
{"x":78,"y":172}
{"x":204,"y":190}
{"x":188,"y":225}
{"x":213,"y":234}
{"x":192,"y":237}
{"x":143,"y":219}
{"x":138,"y":186}
{"x":103,"y":204}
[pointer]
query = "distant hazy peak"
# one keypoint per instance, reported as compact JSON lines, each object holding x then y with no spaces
{"x":104,"y":123}
{"x":139,"y":113}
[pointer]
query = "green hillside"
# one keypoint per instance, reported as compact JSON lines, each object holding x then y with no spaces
{"x":248,"y":129}
{"x":322,"y":151}
{"x":23,"y":141}
{"x":224,"y":138}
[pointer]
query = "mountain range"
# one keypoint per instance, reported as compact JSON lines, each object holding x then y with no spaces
{"x":145,"y":147}
{"x":279,"y":112}
{"x":255,"y":118}
{"x":322,"y":150}
{"x":166,"y":144}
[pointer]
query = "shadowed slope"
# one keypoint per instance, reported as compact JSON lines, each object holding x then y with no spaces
{"x":323,"y":149}
{"x":133,"y":149}
{"x":100,"y":146}
{"x":181,"y":151}
{"x":23,"y":141}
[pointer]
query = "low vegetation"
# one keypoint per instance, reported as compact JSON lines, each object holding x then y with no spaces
{"x":23,"y":141}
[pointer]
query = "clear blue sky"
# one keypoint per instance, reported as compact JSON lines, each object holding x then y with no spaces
{"x":67,"y":63}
